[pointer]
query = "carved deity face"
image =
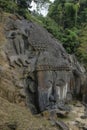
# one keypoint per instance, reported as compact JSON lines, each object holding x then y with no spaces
{"x":45,"y":80}
{"x":52,"y":86}
{"x":45,"y":84}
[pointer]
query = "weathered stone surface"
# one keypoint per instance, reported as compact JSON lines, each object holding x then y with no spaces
{"x":62,"y":125}
{"x":41,"y":70}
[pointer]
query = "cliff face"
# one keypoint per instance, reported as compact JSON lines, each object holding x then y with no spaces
{"x":37,"y":73}
{"x":35,"y":70}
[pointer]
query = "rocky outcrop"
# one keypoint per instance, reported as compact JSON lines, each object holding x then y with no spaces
{"x":78,"y":78}
{"x":40,"y":72}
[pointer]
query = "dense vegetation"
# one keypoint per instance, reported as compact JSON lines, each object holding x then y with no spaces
{"x":66,"y":20}
{"x":71,"y":18}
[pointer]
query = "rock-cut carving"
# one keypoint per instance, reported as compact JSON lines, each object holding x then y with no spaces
{"x":49,"y":72}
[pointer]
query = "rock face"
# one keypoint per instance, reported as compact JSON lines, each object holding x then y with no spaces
{"x":43,"y":73}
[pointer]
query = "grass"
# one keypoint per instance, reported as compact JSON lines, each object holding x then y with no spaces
{"x":22,"y":117}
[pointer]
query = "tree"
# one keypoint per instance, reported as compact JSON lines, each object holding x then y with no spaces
{"x":22,"y":6}
{"x":8,"y":6}
{"x":15,"y":6}
{"x":82,"y":49}
{"x":65,"y":12}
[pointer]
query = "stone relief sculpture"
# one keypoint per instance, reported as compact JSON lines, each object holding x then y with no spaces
{"x":48,"y":71}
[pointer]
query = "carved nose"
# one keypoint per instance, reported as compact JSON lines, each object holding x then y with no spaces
{"x":52,"y":98}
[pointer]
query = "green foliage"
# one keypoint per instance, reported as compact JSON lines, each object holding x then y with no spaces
{"x":70,"y":40}
{"x":82,"y":52}
{"x":65,"y":12}
{"x":68,"y":37}
{"x":69,"y":16}
{"x":8,"y":6}
{"x":22,"y":7}
{"x":12,"y":6}
{"x":51,"y":26}
{"x":82,"y":49}
{"x":67,"y":21}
